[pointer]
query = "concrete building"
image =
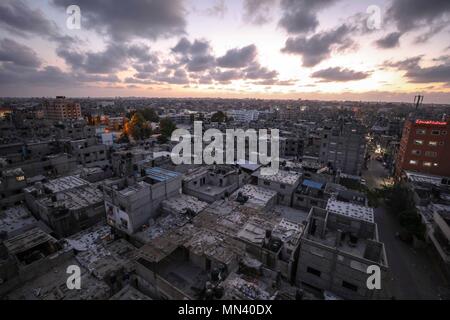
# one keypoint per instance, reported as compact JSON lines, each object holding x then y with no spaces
{"x":131,"y":205}
{"x":12,"y":182}
{"x":62,"y":109}
{"x":89,"y":153}
{"x":243,"y":115}
{"x":339,"y":244}
{"x":125,"y":162}
{"x":424,"y":148}
{"x":26,"y":256}
{"x":283,"y":182}
{"x":67,"y":205}
{"x":213,"y":182}
{"x":255,"y":197}
{"x":343,"y":148}
{"x":15,"y":220}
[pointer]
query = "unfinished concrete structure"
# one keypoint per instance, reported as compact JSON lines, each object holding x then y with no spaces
{"x":212,"y":183}
{"x":338,"y":246}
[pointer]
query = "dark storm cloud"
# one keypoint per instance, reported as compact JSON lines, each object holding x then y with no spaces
{"x":114,"y":58}
{"x":11,"y":51}
{"x":391,"y":40}
{"x":412,"y":14}
{"x":258,"y":11}
{"x":16,"y":17}
{"x":339,"y":75}
{"x":238,"y":58}
{"x":48,"y":76}
{"x":300,"y":16}
{"x":417,"y":74}
{"x":125,"y":20}
{"x":319,"y":47}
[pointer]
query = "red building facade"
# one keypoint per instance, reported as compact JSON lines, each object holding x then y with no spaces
{"x":424,"y":148}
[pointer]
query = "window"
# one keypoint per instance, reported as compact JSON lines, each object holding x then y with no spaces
{"x":443,"y":133}
{"x":421,"y":131}
{"x":427,"y":164}
{"x":433,"y":143}
{"x":413,"y":162}
{"x":435,"y":132}
{"x":313,"y":271}
{"x":416,"y":152}
{"x":431,"y":154}
{"x":441,"y":143}
{"x":418,"y":142}
{"x":435,"y":164}
{"x":267,"y":183}
{"x":349,"y":286}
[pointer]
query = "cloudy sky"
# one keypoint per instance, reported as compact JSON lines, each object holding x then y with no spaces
{"x":311,"y":49}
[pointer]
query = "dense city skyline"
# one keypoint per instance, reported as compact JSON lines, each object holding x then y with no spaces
{"x":327,"y":49}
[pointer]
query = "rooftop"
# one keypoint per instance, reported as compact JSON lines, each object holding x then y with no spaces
{"x":286,"y":177}
{"x":65,"y":183}
{"x":257,"y":196}
{"x":160,"y":174}
{"x":350,"y":210}
{"x":75,"y":199}
{"x":16,"y":220}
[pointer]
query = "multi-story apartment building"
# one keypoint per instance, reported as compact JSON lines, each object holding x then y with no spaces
{"x":343,"y":148}
{"x":61,"y":109}
{"x":424,"y":148}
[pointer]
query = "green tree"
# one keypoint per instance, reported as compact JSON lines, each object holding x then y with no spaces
{"x":149,"y":115}
{"x":166,"y":127}
{"x":219,"y":116}
{"x":138,"y":127}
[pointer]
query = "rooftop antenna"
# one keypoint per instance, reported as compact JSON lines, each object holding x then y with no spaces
{"x":418,"y":102}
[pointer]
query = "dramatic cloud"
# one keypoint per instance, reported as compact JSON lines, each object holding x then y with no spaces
{"x":410,"y":15}
{"x":256,"y":71}
{"x":319,"y":47}
{"x":17,"y":18}
{"x":417,"y":74}
{"x":226,"y":76}
{"x":238,"y":58}
{"x":21,"y":55}
{"x":126,"y":20}
{"x":257,"y":11}
{"x":197,"y":55}
{"x":389,"y":41}
{"x":114,"y":58}
{"x":300,"y":16}
{"x":339,"y":75}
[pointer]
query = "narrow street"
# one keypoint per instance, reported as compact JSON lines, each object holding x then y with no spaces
{"x":413,"y":273}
